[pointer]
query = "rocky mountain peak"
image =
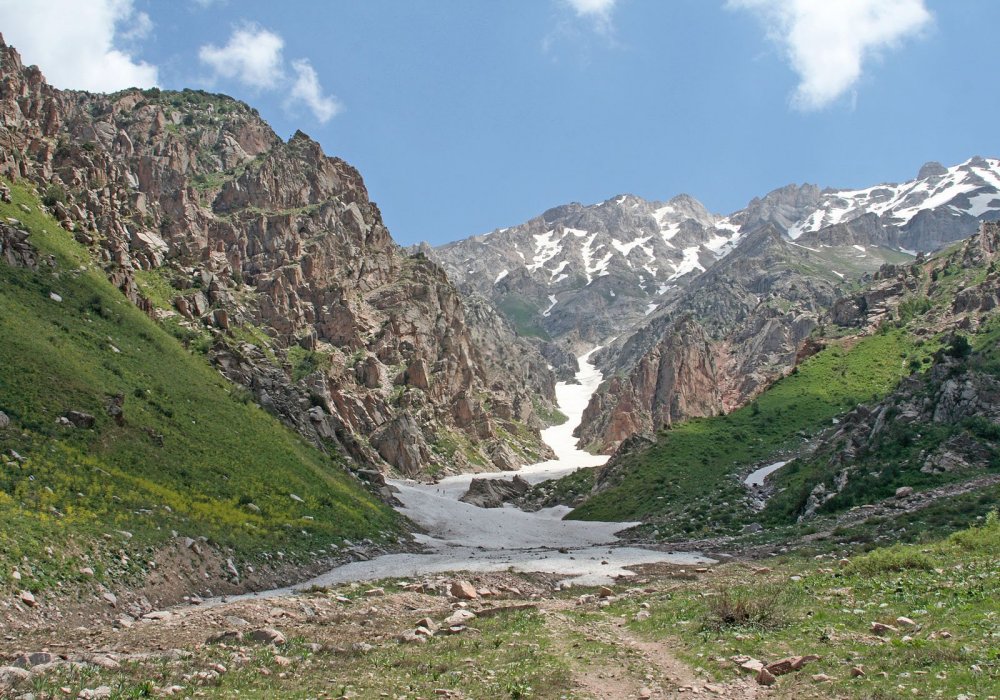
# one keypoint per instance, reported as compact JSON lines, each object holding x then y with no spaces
{"x":940,"y":206}
{"x":580,"y":274}
{"x":931,"y":169}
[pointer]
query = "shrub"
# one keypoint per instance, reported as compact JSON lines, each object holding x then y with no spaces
{"x":984,"y":538}
{"x":757,"y":607}
{"x":960,"y":347}
{"x":54,"y":194}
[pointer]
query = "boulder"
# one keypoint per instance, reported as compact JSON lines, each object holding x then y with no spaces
{"x":11,"y":676}
{"x":226,"y":637}
{"x":463,"y":590}
{"x":459,"y":617}
{"x":883,"y":629}
{"x":268,"y":635}
{"x":79,"y":419}
{"x":765,"y":677}
{"x":493,"y":493}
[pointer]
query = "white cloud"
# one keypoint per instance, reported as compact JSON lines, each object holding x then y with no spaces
{"x":78,"y":45}
{"x":592,"y":8}
{"x":142,"y":27}
{"x":252,"y":56}
{"x":828,"y":42}
{"x":308,"y":90}
{"x":597,"y":11}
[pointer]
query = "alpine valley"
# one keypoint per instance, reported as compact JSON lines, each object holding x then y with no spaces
{"x":220,"y":375}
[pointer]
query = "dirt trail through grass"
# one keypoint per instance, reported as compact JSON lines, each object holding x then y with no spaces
{"x":609,"y":662}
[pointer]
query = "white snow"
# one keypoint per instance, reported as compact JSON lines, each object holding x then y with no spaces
{"x":587,"y":255}
{"x":661,"y":213}
{"x":899,"y":203}
{"x":552,"y":302}
{"x":838,"y":274}
{"x":799,"y":245}
{"x":463,"y":537}
{"x":727,"y":225}
{"x":546,"y":248}
{"x":908,"y":252}
{"x":662,"y":289}
{"x":668,"y":232}
{"x":651,"y":307}
{"x":626,"y":248}
{"x":560,"y":278}
{"x":578,"y":232}
{"x":557,"y":273}
{"x":757,"y":478}
{"x":502,"y":274}
{"x":716,"y":243}
{"x":984,"y":202}
{"x":859,"y":247}
{"x":600,"y":268}
{"x":688,"y":264}
{"x":726,"y":237}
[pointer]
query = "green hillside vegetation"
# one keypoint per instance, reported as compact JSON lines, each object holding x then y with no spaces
{"x":894,"y":459}
{"x":192,"y":453}
{"x":686,"y":485}
{"x":523,"y":315}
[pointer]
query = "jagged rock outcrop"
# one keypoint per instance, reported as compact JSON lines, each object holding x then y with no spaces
{"x":278,"y":258}
{"x":15,"y":249}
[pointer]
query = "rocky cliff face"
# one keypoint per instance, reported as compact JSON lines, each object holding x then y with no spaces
{"x":716,"y":344}
{"x":271,"y":254}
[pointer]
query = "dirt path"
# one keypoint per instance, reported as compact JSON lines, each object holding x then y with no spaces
{"x":610,"y":662}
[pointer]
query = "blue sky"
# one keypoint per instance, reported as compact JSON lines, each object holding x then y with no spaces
{"x":467,"y":115}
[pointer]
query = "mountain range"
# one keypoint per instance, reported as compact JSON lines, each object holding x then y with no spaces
{"x":703,"y":311}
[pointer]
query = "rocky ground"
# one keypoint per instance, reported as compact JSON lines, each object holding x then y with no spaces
{"x":320,"y":643}
{"x":906,"y":621}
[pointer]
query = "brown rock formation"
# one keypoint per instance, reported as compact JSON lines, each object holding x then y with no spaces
{"x":276,"y":241}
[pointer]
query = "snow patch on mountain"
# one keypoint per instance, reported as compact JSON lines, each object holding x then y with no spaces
{"x":688,"y":264}
{"x":972,"y":188}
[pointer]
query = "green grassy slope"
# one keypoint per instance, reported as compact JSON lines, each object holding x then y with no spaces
{"x":191,"y":454}
{"x":804,"y":606}
{"x":894,"y":458}
{"x":686,"y":484}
